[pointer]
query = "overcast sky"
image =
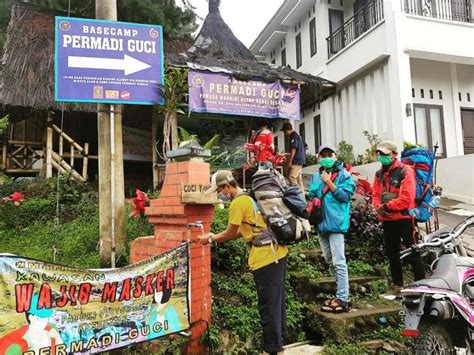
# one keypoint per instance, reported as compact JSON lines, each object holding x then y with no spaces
{"x":246,"y":18}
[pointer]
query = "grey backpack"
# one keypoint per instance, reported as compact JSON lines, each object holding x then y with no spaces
{"x":269,"y":188}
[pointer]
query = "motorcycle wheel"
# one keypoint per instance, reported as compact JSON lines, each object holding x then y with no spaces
{"x":434,"y":338}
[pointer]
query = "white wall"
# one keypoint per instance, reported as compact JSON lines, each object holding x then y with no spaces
{"x":362,"y":104}
{"x":456,"y":177}
{"x":439,"y":39}
{"x":451,"y":79}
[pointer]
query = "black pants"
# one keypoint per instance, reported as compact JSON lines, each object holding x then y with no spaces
{"x":270,"y":284}
{"x":395,"y":233}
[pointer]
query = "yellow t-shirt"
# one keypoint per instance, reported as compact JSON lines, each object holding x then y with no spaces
{"x":242,"y":214}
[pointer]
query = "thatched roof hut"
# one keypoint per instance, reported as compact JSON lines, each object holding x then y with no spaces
{"x":27,"y":70}
{"x":217,"y":49}
{"x":28,"y":61}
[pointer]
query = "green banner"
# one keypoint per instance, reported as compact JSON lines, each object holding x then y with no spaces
{"x":53,"y":309}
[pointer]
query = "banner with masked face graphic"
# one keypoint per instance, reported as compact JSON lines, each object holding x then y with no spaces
{"x":52,"y":309}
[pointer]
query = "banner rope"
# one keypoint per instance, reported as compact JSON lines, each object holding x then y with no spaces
{"x":56,"y":217}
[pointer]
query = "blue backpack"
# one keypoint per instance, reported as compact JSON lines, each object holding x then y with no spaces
{"x":422,"y":162}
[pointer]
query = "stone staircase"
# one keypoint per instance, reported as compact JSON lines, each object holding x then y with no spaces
{"x":369,"y":313}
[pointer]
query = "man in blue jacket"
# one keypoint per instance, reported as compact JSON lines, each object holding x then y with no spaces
{"x":334,"y":186}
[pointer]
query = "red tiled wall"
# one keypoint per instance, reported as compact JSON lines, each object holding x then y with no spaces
{"x":170,"y":217}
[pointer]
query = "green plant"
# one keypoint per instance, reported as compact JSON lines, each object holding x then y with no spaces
{"x":3,"y":124}
{"x":174,"y":91}
{"x":345,"y":154}
{"x":346,"y":349}
{"x":359,"y":268}
{"x":185,"y":136}
{"x":311,"y":159}
{"x":370,"y":155}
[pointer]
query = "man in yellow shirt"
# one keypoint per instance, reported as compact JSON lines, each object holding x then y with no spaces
{"x":267,"y":263}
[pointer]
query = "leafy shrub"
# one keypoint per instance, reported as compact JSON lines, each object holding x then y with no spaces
{"x":370,"y":155}
{"x":344,"y":152}
{"x":311,"y":159}
{"x":365,"y":237}
{"x":359,"y":268}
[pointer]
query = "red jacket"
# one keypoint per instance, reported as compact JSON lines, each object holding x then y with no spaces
{"x":398,"y":179}
{"x":264,"y":141}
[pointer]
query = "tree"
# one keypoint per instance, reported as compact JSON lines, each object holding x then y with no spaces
{"x":177,"y":22}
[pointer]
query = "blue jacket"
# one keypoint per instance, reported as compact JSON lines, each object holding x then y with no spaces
{"x":337,"y":204}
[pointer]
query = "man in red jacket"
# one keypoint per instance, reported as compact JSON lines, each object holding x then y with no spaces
{"x":392,"y":196}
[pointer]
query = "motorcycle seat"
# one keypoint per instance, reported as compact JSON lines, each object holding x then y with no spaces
{"x":444,"y":276}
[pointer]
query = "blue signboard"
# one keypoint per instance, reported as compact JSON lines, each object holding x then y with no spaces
{"x":108,"y":61}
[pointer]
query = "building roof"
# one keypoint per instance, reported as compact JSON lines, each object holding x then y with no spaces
{"x":217,"y":49}
{"x":27,"y":72}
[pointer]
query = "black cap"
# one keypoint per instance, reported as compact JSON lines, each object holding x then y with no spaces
{"x":286,"y":126}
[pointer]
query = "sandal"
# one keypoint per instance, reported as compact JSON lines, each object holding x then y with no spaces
{"x":336,"y":306}
{"x":331,"y":300}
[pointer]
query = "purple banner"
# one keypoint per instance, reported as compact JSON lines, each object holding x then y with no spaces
{"x":108,"y":61}
{"x":221,"y":93}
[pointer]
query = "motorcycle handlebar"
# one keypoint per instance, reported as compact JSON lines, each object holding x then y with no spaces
{"x":437,"y":242}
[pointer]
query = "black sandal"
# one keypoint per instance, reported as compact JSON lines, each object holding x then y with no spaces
{"x":336,"y":306}
{"x":329,"y":301}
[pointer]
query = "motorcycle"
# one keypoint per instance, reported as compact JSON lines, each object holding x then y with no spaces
{"x":438,"y":311}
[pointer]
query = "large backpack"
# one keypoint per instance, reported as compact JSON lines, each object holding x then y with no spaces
{"x":283,"y":207}
{"x":422,"y":161}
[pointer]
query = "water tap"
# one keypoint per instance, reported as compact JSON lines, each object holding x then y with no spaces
{"x":197,"y":224}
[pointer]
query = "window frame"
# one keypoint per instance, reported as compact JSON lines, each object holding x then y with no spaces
{"x":428,"y":126}
{"x":312,"y":37}
{"x":283,"y":56}
{"x":299,"y":51}
{"x":317,"y":132}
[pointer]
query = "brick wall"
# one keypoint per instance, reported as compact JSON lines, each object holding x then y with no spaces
{"x":170,"y":217}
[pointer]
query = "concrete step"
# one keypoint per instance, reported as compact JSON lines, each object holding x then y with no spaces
{"x":312,"y":290}
{"x":359,"y":321}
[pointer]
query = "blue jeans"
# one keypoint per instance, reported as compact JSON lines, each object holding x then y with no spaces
{"x":332,"y":246}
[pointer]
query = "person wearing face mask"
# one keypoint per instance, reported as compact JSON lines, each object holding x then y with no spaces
{"x":333,"y":185}
{"x":393,"y":195}
{"x":267,"y":263}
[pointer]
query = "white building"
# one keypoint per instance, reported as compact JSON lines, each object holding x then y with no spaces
{"x":404,"y":68}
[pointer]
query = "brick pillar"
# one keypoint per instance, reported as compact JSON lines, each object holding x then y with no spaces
{"x":170,"y":217}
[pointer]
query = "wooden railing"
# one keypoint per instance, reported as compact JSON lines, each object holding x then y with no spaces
{"x":20,"y":156}
{"x":451,"y":10}
{"x":58,"y":159}
{"x":362,"y":21}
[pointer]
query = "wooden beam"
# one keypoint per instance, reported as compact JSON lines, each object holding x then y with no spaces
{"x":85,"y":161}
{"x":68,"y":138}
{"x":49,"y":148}
{"x":4,"y":156}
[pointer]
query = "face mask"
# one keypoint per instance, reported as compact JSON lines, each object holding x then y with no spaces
{"x":327,"y":162}
{"x":224,"y":197}
{"x":385,"y":159}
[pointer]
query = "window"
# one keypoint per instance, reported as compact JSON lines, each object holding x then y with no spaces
{"x":336,"y":31}
{"x":302,"y":131}
{"x":429,"y":127}
{"x":283,"y":57}
{"x":299,"y":58}
{"x":317,"y":132}
{"x":312,"y":37}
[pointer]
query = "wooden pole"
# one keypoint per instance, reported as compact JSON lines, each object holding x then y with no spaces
{"x":107,"y":10}
{"x":85,"y":161}
{"x":49,"y":147}
{"x":4,"y":156}
{"x":154,"y":132}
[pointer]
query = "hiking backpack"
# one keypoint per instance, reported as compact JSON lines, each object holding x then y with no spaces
{"x":283,"y":207}
{"x":422,"y":162}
